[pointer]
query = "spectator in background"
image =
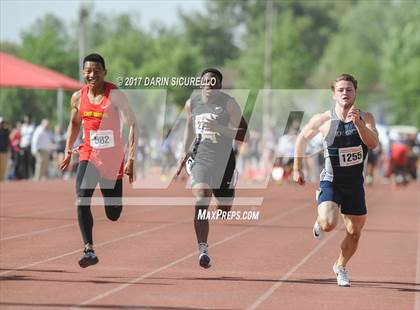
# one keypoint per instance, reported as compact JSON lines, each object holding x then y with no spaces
{"x":168,"y":159}
{"x":269,"y":150}
{"x":41,"y":147}
{"x":372,"y":160}
{"x":14,"y":144}
{"x":60,"y":145}
{"x":413,"y":151}
{"x":249,"y":162}
{"x":142,"y":147}
{"x":416,"y":151}
{"x":286,"y":150}
{"x":4,"y":148}
{"x":311,"y":161}
{"x":26,"y":160}
{"x":399,"y":162}
{"x":253,"y":156}
{"x":384,"y":164}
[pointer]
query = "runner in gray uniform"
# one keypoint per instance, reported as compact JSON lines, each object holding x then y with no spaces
{"x":348,"y":134}
{"x":215,"y":119}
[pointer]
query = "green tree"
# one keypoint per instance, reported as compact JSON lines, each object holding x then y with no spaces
{"x":129,"y":51}
{"x":356,"y":49}
{"x":316,"y":20}
{"x":126,"y":47}
{"x":401,"y":64}
{"x":9,"y":47}
{"x":211,"y":35}
{"x":48,"y":44}
{"x":383,"y":55}
{"x":291,"y":61}
{"x":171,"y":56}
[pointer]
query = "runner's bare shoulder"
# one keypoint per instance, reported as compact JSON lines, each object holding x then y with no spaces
{"x":75,"y":99}
{"x":321,"y":122}
{"x":321,"y":119}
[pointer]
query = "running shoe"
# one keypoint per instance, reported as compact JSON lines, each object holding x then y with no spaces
{"x":204,"y":258}
{"x":89,"y":258}
{"x":341,"y":274}
{"x":317,"y":231}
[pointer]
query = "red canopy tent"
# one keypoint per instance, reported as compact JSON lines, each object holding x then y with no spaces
{"x":19,"y":73}
{"x":15,"y":72}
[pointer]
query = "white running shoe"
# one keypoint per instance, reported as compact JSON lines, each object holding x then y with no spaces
{"x":317,"y":231}
{"x":341,"y":274}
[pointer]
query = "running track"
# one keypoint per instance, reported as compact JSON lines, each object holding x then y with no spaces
{"x":148,"y":259}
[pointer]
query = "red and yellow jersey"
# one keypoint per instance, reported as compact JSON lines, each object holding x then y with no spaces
{"x":101,"y":134}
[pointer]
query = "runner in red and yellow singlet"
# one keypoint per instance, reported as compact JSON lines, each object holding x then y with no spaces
{"x":97,"y":108}
{"x":101,"y":139}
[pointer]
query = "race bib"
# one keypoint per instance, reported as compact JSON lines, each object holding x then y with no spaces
{"x":199,"y":127}
{"x":350,"y":156}
{"x":102,"y":139}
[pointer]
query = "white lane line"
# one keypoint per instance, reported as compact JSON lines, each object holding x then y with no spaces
{"x":281,"y":280}
{"x":37,"y":232}
{"x":136,"y":234}
{"x":179,"y":260}
{"x":50,"y":210}
{"x":142,"y":201}
{"x":23,"y":204}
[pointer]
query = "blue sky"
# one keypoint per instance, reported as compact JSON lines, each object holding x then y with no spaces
{"x":17,"y":15}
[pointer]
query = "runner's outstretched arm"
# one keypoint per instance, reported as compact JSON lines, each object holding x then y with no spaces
{"x":129,"y":120}
{"x":309,"y":131}
{"x":188,"y":137}
{"x":72,"y":130}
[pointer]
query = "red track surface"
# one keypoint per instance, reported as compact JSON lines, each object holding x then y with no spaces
{"x":148,"y":258}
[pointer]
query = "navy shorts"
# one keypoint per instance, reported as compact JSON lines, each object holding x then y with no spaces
{"x":350,"y":197}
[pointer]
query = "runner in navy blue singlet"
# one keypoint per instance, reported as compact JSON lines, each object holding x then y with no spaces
{"x":348,"y":134}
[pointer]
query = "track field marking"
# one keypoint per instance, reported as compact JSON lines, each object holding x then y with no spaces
{"x":281,"y":280}
{"x":179,"y":260}
{"x":37,"y":232}
{"x":148,"y":201}
{"x":136,"y":234}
